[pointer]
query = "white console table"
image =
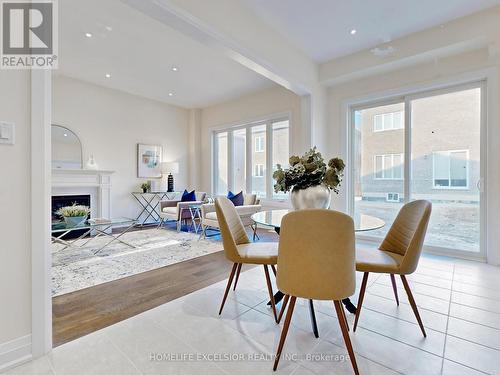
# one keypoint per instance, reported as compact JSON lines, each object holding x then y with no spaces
{"x":149,"y":203}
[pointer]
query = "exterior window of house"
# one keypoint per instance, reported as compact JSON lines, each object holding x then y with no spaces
{"x":259,"y":144}
{"x":258,"y":170}
{"x":245,"y":157}
{"x":388,"y":121}
{"x":389,"y":167}
{"x":450,"y":169}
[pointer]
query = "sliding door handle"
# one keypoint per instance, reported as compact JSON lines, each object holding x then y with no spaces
{"x":480,"y":185}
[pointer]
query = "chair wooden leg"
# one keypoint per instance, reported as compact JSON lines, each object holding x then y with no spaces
{"x":274,"y":269}
{"x":229,"y":282}
{"x":394,"y":288}
{"x":283,"y":307}
{"x":413,"y":304}
{"x":345,"y":318}
{"x":237,"y":275}
{"x":271,"y":294}
{"x":284,"y":332}
{"x":360,"y":299}
{"x":345,"y":334}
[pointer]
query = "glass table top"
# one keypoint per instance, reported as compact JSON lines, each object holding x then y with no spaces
{"x":157,"y":192}
{"x":61,"y":226}
{"x":272,"y":218}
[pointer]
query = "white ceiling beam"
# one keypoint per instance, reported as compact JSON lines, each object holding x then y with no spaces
{"x":462,"y":35}
{"x":229,"y":27}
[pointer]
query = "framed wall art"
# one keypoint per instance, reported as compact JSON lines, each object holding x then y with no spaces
{"x":148,"y":161}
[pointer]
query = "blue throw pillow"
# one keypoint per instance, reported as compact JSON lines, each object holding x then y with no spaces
{"x":188,"y":197}
{"x":236,"y":199}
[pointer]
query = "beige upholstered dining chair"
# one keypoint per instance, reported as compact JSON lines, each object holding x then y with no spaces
{"x":316,"y":261}
{"x":398,"y":254}
{"x":240,"y":250}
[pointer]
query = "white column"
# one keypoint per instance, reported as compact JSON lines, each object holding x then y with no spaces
{"x":314,"y":124}
{"x":41,"y":261}
{"x":194,"y":152}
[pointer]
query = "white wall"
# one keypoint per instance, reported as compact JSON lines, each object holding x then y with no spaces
{"x":15,"y":229}
{"x":440,"y":72}
{"x":110,"y":123}
{"x":256,"y":106}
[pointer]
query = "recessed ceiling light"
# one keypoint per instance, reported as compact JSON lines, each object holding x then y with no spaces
{"x":175,"y":69}
{"x":88,"y":35}
{"x":107,"y":75}
{"x":353,"y":31}
{"x":65,"y":134}
{"x":170,"y":94}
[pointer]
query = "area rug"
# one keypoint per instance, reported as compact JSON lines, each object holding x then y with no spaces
{"x":76,"y":268}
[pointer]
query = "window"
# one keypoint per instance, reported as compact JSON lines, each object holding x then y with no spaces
{"x":241,"y":159}
{"x":221,"y":165}
{"x":258,"y":170}
{"x":388,"y":121}
{"x":450,"y":169}
{"x":392,"y":197}
{"x":389,"y":167}
{"x":280,"y":146}
{"x":259,"y":158}
{"x":259,"y":144}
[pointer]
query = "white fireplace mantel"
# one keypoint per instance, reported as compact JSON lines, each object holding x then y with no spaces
{"x":96,"y":183}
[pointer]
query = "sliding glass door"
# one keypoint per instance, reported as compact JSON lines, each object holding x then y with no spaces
{"x":425,"y":146}
{"x":446,"y":165}
{"x":379,"y":146}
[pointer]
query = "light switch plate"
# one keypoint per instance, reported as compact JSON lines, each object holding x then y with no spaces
{"x":7,"y":133}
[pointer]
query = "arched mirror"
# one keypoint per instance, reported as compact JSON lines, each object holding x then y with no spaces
{"x":66,"y":149}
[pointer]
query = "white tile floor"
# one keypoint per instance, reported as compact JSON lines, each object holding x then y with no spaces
{"x":459,"y":302}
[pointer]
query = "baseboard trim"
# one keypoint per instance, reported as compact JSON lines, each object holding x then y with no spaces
{"x":15,"y":352}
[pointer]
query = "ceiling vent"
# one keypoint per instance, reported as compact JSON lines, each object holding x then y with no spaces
{"x":383,"y":51}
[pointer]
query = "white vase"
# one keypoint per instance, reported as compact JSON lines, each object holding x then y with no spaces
{"x":91,"y":164}
{"x":74,"y":221}
{"x":318,"y":196}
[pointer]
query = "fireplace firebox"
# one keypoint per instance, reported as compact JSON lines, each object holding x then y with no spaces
{"x":59,"y":201}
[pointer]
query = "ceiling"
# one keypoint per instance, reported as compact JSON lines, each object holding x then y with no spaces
{"x":139,"y":53}
{"x":321,"y":28}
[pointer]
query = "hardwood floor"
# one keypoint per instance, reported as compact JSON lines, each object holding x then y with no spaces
{"x":84,"y":311}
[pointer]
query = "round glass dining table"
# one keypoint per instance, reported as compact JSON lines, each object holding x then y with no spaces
{"x":272,"y":218}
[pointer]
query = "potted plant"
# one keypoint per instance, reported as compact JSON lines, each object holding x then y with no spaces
{"x":146,"y":186}
{"x":74,"y":215}
{"x":310,"y":180}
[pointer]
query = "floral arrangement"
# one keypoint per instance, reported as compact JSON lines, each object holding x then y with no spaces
{"x":73,"y":211}
{"x":309,"y":170}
